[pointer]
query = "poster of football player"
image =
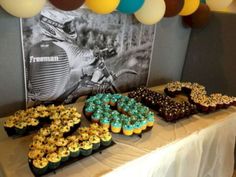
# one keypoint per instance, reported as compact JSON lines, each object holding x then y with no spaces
{"x":77,"y":53}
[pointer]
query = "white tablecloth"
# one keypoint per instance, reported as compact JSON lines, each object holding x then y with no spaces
{"x":207,"y":153}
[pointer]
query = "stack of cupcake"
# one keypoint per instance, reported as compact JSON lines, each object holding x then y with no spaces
{"x":24,"y":121}
{"x":119,"y":113}
{"x":166,"y":107}
{"x":197,"y":95}
{"x":51,"y":148}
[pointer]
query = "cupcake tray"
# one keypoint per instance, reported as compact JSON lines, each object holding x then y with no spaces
{"x":71,"y":160}
{"x":139,"y":135}
{"x":30,"y":130}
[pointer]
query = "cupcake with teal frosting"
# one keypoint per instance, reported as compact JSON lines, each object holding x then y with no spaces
{"x":128,"y":129}
{"x":96,"y":117}
{"x":105,"y":122}
{"x":150,"y":119}
{"x":116,"y":126}
{"x":89,"y":110}
{"x":138,"y":127}
{"x":113,"y":101}
{"x":144,"y":123}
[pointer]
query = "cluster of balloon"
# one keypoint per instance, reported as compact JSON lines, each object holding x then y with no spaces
{"x":23,"y":8}
{"x":195,"y":12}
{"x":67,"y":5}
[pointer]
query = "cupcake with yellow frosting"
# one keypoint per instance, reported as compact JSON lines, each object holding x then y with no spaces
{"x":95,"y":140}
{"x":9,"y":126}
{"x":86,"y":148}
{"x":40,"y":166}
{"x":106,"y":139}
{"x":21,"y":128}
{"x":61,"y":142}
{"x":54,"y":160}
{"x":64,"y":153}
{"x":36,"y":153}
{"x":74,"y":149}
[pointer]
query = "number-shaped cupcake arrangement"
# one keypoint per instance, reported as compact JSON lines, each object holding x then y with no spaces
{"x":197,"y":95}
{"x":54,"y":146}
{"x":119,"y":113}
{"x":169,"y":109}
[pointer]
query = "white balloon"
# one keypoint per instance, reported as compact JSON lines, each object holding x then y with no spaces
{"x":218,"y":4}
{"x":151,"y":12}
{"x":23,"y":8}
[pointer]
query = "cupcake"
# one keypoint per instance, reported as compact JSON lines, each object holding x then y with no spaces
{"x":9,"y":127}
{"x":40,"y":166}
{"x":35,"y":153}
{"x":116,"y":126}
{"x":21,"y":128}
{"x":74,"y":149}
{"x":113,"y":101}
{"x":89,"y":110}
{"x":138,"y":127}
{"x":150,"y":119}
{"x":50,"y":148}
{"x":96,"y":117}
{"x":86,"y":148}
{"x":95,"y":141}
{"x":54,"y":160}
{"x":106,"y":139}
{"x":105,"y":122}
{"x":64,"y":153}
{"x":128,"y":129}
{"x":61,"y":142}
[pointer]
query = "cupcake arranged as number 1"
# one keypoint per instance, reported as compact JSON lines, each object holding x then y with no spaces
{"x":119,"y":113}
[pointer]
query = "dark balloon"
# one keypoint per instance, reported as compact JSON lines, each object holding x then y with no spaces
{"x":67,"y":5}
{"x":198,"y":19}
{"x":173,"y":7}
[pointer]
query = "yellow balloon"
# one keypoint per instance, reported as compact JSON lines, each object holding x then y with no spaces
{"x":151,"y":12}
{"x":218,"y":4}
{"x":102,"y":6}
{"x":23,"y":8}
{"x":190,"y":6}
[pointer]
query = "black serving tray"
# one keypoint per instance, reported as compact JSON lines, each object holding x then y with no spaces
{"x":71,"y":160}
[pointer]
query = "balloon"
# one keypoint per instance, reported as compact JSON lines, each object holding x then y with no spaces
{"x":151,"y":12}
{"x":199,"y":18}
{"x":173,"y":7}
{"x":23,"y":8}
{"x":218,"y":4}
{"x":67,"y":4}
{"x":130,"y":6}
{"x":102,"y":6}
{"x":190,"y":6}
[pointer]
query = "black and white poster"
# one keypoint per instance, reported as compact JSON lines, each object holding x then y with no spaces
{"x":76,"y":53}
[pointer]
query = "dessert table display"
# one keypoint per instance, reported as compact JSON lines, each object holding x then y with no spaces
{"x":199,"y":146}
